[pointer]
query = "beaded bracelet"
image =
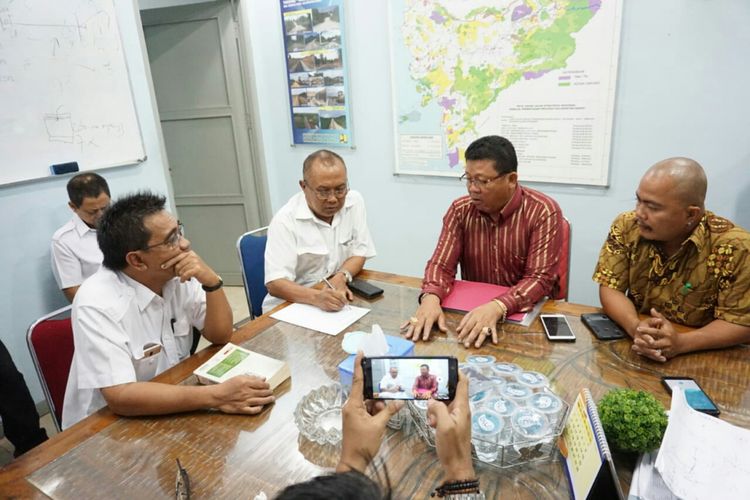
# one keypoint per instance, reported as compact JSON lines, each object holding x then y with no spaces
{"x":502,"y":307}
{"x":454,"y":487}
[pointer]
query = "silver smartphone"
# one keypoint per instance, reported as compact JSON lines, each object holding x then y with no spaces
{"x":557,"y":328}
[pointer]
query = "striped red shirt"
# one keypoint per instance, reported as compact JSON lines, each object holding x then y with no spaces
{"x":520,"y":251}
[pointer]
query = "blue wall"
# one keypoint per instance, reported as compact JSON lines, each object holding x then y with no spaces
{"x":34,"y":210}
{"x":681,"y":91}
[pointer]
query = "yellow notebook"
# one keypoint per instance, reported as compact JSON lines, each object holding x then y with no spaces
{"x":233,"y":360}
{"x":586,"y":456}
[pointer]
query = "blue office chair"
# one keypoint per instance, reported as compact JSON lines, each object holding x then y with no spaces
{"x":251,"y":248}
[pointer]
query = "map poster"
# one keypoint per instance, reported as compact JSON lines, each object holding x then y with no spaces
{"x":541,"y":73}
{"x":316,"y":72}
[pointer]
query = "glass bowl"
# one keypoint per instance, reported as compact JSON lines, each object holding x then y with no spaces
{"x":318,"y":414}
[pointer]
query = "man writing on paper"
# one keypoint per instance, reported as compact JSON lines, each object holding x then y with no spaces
{"x":132,"y":320}
{"x":501,"y":233}
{"x":75,"y":253}
{"x":391,"y":384}
{"x":320,"y":233}
{"x":677,"y":262}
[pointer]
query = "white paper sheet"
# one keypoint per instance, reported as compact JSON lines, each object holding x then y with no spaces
{"x":311,"y":317}
{"x":646,"y":483}
{"x":703,"y":457}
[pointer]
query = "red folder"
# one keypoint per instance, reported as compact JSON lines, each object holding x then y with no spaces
{"x":466,"y":295}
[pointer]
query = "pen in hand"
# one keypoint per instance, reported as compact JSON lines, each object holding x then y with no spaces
{"x":328,"y":283}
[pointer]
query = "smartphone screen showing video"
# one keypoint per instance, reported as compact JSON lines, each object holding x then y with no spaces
{"x":410,"y":377}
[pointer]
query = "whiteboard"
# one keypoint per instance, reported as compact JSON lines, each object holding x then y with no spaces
{"x":64,"y":89}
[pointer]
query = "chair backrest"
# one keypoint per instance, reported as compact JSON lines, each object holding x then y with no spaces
{"x":50,"y":340}
{"x":563,"y":271}
{"x":251,"y":248}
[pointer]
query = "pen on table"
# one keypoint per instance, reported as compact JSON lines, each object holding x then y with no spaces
{"x":325,"y":280}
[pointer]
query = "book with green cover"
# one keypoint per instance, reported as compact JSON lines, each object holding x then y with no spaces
{"x":233,"y":360}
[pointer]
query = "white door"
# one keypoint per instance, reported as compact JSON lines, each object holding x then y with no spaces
{"x":196,"y":68}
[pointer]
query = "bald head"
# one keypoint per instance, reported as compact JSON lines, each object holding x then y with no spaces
{"x":687,"y":178}
{"x":321,"y":158}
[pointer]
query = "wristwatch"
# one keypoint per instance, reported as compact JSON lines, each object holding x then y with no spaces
{"x":215,"y":287}
{"x":347,"y":274}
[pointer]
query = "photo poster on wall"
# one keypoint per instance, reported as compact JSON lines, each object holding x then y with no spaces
{"x":541,"y":74}
{"x":314,"y":45}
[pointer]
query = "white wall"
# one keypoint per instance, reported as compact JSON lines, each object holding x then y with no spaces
{"x":681,"y":91}
{"x":34,"y":210}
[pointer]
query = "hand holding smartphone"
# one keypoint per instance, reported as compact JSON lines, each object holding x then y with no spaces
{"x":396,"y":377}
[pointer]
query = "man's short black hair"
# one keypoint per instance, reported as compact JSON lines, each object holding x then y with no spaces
{"x":86,"y":185}
{"x":425,"y":366}
{"x":339,"y":486}
{"x":494,"y":147}
{"x":121,"y":229}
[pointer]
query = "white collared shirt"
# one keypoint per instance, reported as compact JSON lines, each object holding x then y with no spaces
{"x":75,"y":253}
{"x":114,"y":318}
{"x":304,"y":249}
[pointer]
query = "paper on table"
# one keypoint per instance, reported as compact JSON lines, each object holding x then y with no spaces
{"x":311,"y":317}
{"x":702,"y":456}
{"x":646,"y":483}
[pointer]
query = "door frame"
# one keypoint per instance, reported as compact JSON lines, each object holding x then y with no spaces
{"x":249,"y":100}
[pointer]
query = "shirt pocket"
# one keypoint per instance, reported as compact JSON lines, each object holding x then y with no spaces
{"x":183,"y":337}
{"x":146,"y":366}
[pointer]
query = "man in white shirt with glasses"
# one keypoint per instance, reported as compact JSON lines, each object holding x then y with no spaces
{"x":320,"y":234}
{"x":133,"y":319}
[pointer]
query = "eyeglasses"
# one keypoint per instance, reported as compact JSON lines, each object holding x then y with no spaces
{"x":174,"y":238}
{"x":324,"y":194}
{"x":182,"y":483}
{"x":479,"y":183}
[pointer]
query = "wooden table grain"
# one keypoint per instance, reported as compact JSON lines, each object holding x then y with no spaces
{"x":231,"y":456}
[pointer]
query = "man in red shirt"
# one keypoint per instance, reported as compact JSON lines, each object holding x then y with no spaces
{"x":500,"y":233}
{"x":425,"y":385}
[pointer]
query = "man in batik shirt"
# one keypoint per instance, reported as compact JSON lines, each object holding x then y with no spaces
{"x":676,"y":262}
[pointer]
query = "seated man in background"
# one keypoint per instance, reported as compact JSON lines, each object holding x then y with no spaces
{"x":675,"y":261}
{"x":75,"y":253}
{"x":363,"y":433}
{"x":501,"y":233}
{"x":391,"y":384}
{"x":425,"y":384}
{"x":132,"y":320}
{"x":320,"y":233}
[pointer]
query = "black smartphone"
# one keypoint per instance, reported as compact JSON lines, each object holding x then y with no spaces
{"x":557,"y":328}
{"x":399,"y":377}
{"x":695,"y":396}
{"x":365,"y":289}
{"x":602,"y":326}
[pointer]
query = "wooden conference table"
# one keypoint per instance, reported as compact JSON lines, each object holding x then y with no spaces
{"x":232,"y":456}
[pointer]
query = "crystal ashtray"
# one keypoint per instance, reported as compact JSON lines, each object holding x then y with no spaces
{"x":318,"y":414}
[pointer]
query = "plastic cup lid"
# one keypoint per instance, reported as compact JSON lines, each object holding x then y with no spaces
{"x":546,"y":402}
{"x":532,"y":379}
{"x":480,"y":359}
{"x":485,"y":422}
{"x":506,"y":368}
{"x":530,"y":422}
{"x":502,"y":406}
{"x":514,"y":390}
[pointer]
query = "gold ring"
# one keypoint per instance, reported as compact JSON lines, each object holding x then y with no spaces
{"x":413,"y":320}
{"x":485,"y":330}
